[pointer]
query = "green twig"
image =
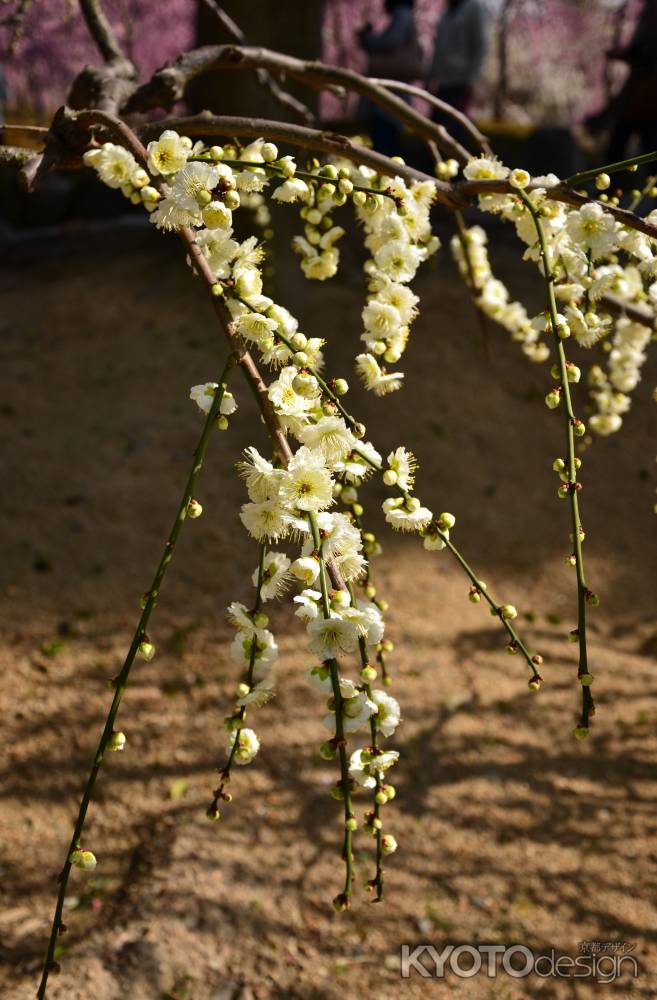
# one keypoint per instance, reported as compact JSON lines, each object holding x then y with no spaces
{"x":122,"y":679}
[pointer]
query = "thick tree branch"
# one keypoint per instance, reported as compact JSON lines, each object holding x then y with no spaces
{"x":168,"y":85}
{"x":101,"y":30}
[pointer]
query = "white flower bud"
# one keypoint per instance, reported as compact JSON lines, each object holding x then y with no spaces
{"x":146,"y":650}
{"x":269,"y":152}
{"x":194,"y":508}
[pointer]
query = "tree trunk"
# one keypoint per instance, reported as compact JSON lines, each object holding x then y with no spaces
{"x":292,"y":27}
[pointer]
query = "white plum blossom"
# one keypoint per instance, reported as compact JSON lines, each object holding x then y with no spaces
{"x":246,"y":745}
{"x":275,"y":577}
{"x":331,"y":637}
{"x":168,"y":154}
{"x":387,"y":714}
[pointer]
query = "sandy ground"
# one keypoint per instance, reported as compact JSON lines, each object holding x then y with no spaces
{"x":509,"y":830}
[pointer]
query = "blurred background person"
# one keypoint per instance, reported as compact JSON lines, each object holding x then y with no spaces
{"x":633,"y":113}
{"x":393,"y":54}
{"x":460,"y":49}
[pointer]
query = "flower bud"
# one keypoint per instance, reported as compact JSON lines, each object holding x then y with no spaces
{"x":305,"y":384}
{"x":327,"y":751}
{"x":300,"y":359}
{"x":586,"y":679}
{"x":370,"y":591}
{"x":573,"y":635}
{"x":269,"y":152}
{"x":573,"y":373}
{"x":553,"y":398}
{"x":351,"y":824}
{"x":368,"y":674}
{"x":388,"y":843}
{"x":146,"y":650}
{"x":261,"y":620}
{"x":534,"y":684}
{"x":85,"y":860}
{"x":217,"y":290}
{"x":359,"y":431}
{"x":217,"y":153}
{"x":140,"y":178}
{"x":232,"y":200}
{"x":474,"y":595}
{"x":340,"y":386}
{"x":446,"y":521}
{"x":558,"y":465}
{"x":116,"y":742}
{"x":213,"y":814}
{"x":341,"y":903}
{"x":519,"y":178}
{"x":359,"y":199}
{"x":299,"y":341}
{"x":579,"y":428}
{"x":602,"y":182}
{"x":222,"y":423}
{"x":592,"y":599}
{"x":508,"y":611}
{"x":349,"y":495}
{"x":194,"y":508}
{"x":580,"y":732}
{"x":337,"y":793}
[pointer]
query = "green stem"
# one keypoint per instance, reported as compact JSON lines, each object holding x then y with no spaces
{"x":225,"y":772}
{"x":610,"y":168}
{"x":570,"y":421}
{"x":122,"y":678}
{"x":531,"y":660}
{"x":339,"y":729}
{"x":281,"y":173}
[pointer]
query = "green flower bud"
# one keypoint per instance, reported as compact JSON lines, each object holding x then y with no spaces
{"x":580,"y":732}
{"x":553,"y":398}
{"x":231,"y":200}
{"x":368,"y":674}
{"x":116,"y":742}
{"x":327,"y":751}
{"x":586,"y":680}
{"x":85,"y":860}
{"x":146,"y":650}
{"x":351,"y":824}
{"x":602,"y":182}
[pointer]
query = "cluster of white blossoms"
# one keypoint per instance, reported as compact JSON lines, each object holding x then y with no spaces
{"x":592,"y":254}
{"x":492,"y":296}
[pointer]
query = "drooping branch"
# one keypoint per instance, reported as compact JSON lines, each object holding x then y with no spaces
{"x":446,"y":109}
{"x":168,"y":85}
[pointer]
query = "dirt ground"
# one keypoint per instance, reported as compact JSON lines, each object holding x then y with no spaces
{"x":509,"y":830}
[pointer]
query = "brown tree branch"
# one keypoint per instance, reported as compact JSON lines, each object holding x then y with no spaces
{"x":168,"y":85}
{"x":101,"y":30}
{"x":466,"y":123}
